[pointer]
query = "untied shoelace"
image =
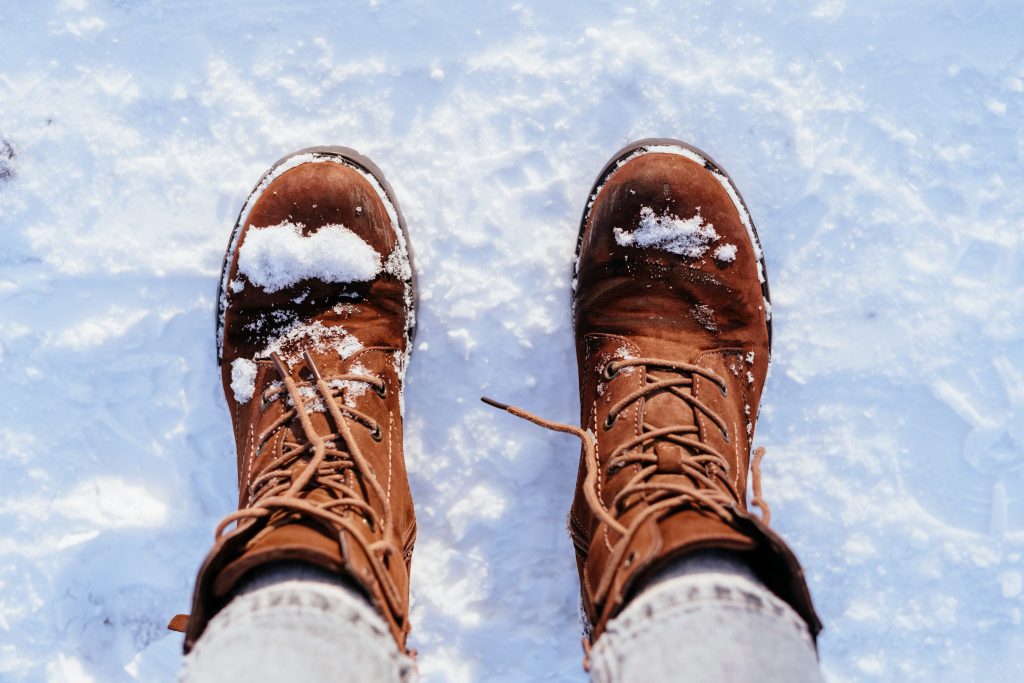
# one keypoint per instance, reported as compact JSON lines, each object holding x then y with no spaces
{"x":704,"y":482}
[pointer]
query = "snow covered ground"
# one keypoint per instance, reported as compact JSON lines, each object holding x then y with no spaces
{"x":879,"y":147}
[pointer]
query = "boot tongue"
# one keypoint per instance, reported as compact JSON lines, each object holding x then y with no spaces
{"x":665,"y":409}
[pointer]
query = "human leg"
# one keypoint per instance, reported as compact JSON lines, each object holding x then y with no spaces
{"x":296,"y":622}
{"x":746,"y":633}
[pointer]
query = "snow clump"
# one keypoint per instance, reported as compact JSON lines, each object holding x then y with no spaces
{"x":314,"y":336}
{"x":726,"y":253}
{"x":687,"y":237}
{"x":279,"y":256}
{"x":243,"y":379}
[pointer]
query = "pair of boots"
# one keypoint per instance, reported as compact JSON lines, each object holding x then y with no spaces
{"x":673,"y":333}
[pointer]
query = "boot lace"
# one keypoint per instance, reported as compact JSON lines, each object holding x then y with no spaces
{"x":704,"y":481}
{"x":331,"y":460}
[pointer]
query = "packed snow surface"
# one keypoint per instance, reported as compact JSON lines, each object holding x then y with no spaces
{"x":879,"y":147}
{"x":279,"y":256}
{"x":684,"y":236}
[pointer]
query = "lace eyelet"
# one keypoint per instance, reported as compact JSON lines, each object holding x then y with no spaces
{"x":610,"y":371}
{"x":610,"y":420}
{"x":725,"y":435}
{"x":724,"y":389}
{"x":376,"y":434}
{"x":382,"y":390}
{"x":630,"y":559}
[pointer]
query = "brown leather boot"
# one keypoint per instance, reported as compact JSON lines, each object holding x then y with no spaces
{"x":673,"y":337}
{"x":316,"y":321}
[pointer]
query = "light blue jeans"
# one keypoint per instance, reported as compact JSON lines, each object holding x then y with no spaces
{"x":704,"y":619}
